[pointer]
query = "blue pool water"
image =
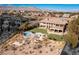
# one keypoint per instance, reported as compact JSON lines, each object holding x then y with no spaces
{"x":27,"y":33}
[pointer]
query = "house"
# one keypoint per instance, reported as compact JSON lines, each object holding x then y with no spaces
{"x":58,"y":15}
{"x":75,"y":16}
{"x":66,"y":15}
{"x":5,"y":25}
{"x":54,"y":25}
{"x":18,"y":22}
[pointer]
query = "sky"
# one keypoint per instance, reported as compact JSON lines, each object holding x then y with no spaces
{"x":55,"y":7}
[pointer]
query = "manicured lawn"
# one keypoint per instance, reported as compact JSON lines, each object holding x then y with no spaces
{"x":50,"y":36}
{"x":39,"y":30}
{"x":55,"y":37}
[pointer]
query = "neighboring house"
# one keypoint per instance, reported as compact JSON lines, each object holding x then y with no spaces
{"x":54,"y":25}
{"x":72,"y":18}
{"x":5,"y":25}
{"x":75,"y":16}
{"x":18,"y":22}
{"x":58,"y":15}
{"x":66,"y":15}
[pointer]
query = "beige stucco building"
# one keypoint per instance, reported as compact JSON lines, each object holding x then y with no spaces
{"x":54,"y":25}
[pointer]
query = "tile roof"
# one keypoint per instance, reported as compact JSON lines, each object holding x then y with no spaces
{"x":54,"y":20}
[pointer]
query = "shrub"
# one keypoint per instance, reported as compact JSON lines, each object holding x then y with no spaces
{"x":55,"y":37}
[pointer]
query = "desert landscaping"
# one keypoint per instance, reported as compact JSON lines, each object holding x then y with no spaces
{"x":33,"y":47}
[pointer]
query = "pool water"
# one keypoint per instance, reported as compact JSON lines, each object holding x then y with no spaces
{"x":27,"y":33}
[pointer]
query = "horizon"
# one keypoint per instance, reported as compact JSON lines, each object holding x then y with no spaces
{"x":53,"y":7}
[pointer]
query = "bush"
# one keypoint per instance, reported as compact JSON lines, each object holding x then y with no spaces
{"x":73,"y":33}
{"x":55,"y":37}
{"x":40,"y":51}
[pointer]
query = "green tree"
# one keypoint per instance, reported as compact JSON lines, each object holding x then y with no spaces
{"x":73,"y":33}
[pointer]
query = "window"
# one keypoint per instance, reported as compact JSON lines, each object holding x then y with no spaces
{"x":61,"y":25}
{"x":57,"y":24}
{"x":42,"y":26}
{"x":60,"y":30}
{"x":52,"y":29}
{"x":56,"y":30}
{"x":7,"y":23}
{"x":44,"y":23}
{"x":52,"y":23}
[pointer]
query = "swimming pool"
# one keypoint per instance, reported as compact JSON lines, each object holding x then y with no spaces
{"x":27,"y":33}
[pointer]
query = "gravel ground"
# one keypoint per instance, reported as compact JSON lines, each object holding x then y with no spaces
{"x":31,"y":47}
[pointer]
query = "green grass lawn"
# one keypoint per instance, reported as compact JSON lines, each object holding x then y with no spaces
{"x":55,"y":37}
{"x":50,"y":36}
{"x":39,"y":30}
